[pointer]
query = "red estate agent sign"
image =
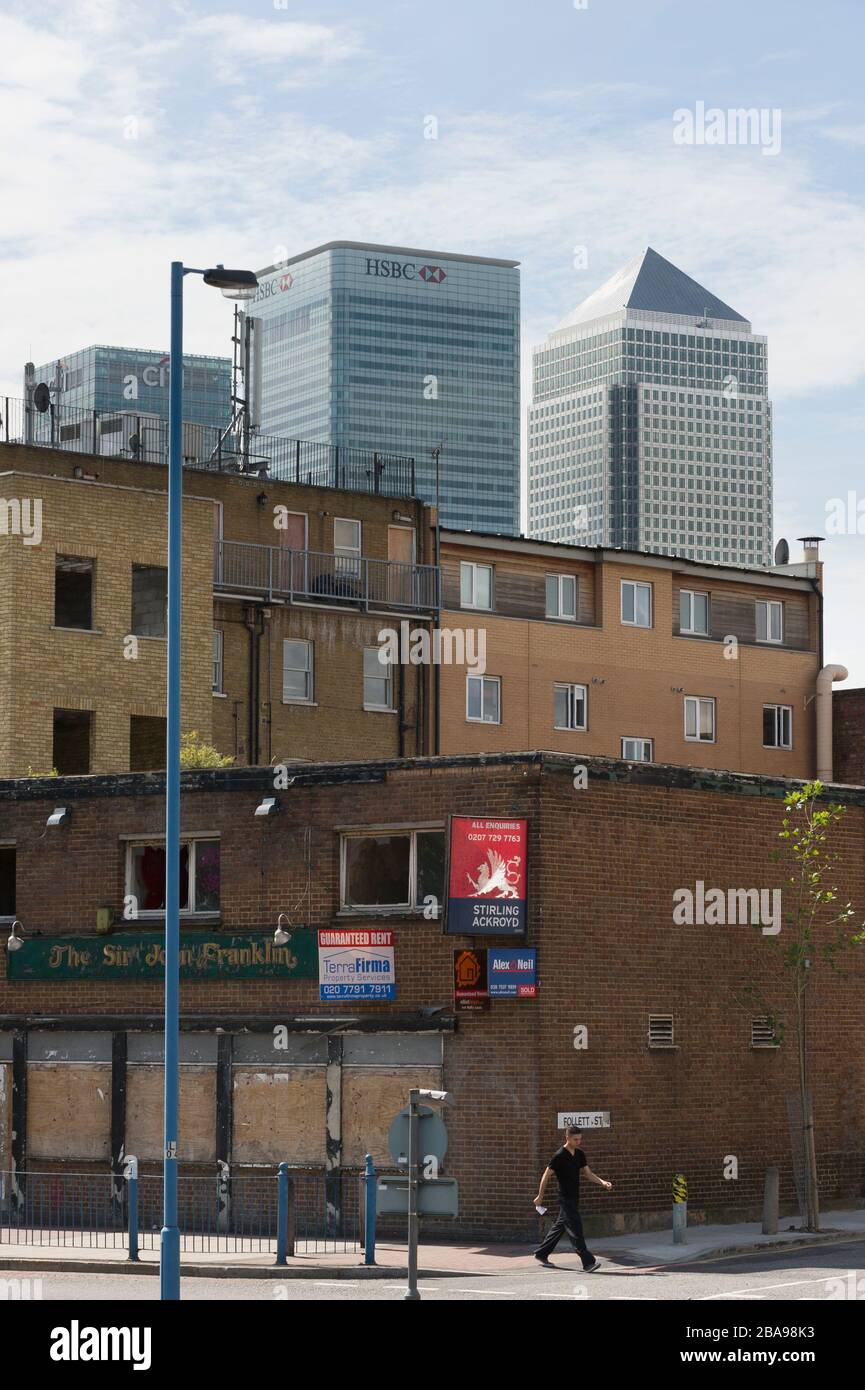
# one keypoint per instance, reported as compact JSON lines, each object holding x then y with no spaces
{"x":487,"y":877}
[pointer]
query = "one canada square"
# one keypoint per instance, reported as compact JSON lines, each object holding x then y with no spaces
{"x":650,"y":426}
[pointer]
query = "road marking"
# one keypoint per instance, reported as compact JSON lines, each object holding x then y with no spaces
{"x":791,"y":1283}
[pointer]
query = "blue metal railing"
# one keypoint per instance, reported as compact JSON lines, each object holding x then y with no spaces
{"x":292,"y":1212}
{"x":130,"y":435}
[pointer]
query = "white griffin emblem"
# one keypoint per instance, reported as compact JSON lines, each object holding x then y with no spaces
{"x":498,"y":879}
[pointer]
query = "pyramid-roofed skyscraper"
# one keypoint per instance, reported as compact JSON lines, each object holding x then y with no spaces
{"x":650,"y":426}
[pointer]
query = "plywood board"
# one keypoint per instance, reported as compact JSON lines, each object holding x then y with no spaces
{"x":69,"y":1110}
{"x":371,"y":1097}
{"x":279,"y":1115}
{"x":197,"y":1123}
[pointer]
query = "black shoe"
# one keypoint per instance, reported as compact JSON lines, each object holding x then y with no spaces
{"x":590,"y":1269}
{"x":542,"y":1260}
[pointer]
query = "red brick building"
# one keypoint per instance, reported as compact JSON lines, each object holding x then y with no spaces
{"x":635,"y":1015}
{"x":848,"y":736}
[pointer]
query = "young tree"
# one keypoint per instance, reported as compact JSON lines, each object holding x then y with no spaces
{"x":818,"y":929}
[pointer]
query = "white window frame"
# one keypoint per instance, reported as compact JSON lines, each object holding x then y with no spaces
{"x":471,"y":567}
{"x":494,"y":681}
{"x":157,"y":914}
{"x":560,"y":615}
{"x":371,"y":832}
{"x":573,"y":696}
{"x":779,"y":710}
{"x":769,"y":604}
{"x":635,"y":584}
{"x":309,"y":670}
{"x":646,"y":742}
{"x":691,"y":630}
{"x":699,"y":700}
{"x":348,"y":557}
{"x":218,"y":673}
{"x":386,"y":668}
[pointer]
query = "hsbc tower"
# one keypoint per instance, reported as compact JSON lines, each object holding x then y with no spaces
{"x":398,"y":350}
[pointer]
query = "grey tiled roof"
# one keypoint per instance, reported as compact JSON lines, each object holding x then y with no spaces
{"x":649,"y":282}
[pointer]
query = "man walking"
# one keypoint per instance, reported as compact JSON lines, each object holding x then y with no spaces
{"x":566,"y":1165}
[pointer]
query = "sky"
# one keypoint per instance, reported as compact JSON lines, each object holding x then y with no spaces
{"x":246,"y":131}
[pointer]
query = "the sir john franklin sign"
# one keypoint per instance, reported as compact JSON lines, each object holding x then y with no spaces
{"x":136,"y":955}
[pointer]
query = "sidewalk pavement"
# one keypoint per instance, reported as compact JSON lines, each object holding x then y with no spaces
{"x":640,"y":1250}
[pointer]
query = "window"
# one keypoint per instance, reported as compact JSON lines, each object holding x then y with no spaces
{"x":770,"y":621}
{"x":569,"y":706}
{"x":392,"y":868}
{"x":347,"y":546}
{"x":297,"y":672}
{"x":147,"y":735}
{"x":777,"y":726}
{"x":199,"y":876}
{"x":216,"y":678}
{"x":694,"y":612}
{"x":7,"y":880}
{"x":561,"y":596}
{"x":661,"y":1030}
{"x":699,"y":719}
{"x":476,"y":585}
{"x":637,"y":750}
{"x":70,"y":754}
{"x":483,"y":699}
{"x":73,"y":592}
{"x":636,"y":603}
{"x":377,"y":680}
{"x":149,"y":600}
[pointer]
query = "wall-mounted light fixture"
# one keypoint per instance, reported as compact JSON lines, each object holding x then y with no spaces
{"x":268,"y":806}
{"x":59,"y":816}
{"x":282,"y":937}
{"x":15,"y":940}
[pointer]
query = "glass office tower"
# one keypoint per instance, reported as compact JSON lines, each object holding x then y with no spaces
{"x":136,"y":380}
{"x":650,"y":426}
{"x":400,"y":351}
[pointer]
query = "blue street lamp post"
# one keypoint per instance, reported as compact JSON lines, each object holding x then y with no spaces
{"x":235,"y":284}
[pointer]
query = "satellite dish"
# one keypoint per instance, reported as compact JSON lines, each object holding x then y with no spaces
{"x":782,"y":553}
{"x":42,"y":398}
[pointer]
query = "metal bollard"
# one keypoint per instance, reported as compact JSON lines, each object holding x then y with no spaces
{"x":369,"y":1217}
{"x":771,"y":1185}
{"x":130,"y":1173}
{"x":281,"y":1213}
{"x":680,"y":1209}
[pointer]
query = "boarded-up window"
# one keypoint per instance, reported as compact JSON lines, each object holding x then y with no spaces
{"x":149,"y":601}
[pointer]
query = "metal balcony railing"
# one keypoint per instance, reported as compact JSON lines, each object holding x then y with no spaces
{"x":141,"y":438}
{"x":311,"y":576}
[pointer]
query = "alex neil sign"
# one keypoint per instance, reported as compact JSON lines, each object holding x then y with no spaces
{"x":486,"y":877}
{"x":356,"y":964}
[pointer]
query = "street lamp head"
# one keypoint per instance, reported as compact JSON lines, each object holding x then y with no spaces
{"x":235,"y":284}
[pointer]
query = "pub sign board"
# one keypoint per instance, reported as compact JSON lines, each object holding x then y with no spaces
{"x":204,"y":955}
{"x":486,"y":876}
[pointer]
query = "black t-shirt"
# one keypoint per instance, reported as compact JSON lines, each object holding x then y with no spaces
{"x":566,"y":1166}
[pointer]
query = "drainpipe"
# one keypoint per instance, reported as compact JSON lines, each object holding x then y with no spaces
{"x":824,"y":718}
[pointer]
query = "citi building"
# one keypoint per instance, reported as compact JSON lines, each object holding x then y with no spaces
{"x":398,"y":351}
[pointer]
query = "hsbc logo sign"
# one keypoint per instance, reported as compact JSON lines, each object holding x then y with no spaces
{"x":278,"y":285}
{"x":405,"y":270}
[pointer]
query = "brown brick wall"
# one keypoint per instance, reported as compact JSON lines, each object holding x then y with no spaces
{"x":604,"y":864}
{"x":848,"y":736}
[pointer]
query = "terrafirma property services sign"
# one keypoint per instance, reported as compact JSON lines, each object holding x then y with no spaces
{"x":487,"y":877}
{"x":356,"y":964}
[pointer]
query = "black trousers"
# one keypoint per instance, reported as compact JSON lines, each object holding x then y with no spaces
{"x":568,"y":1221}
